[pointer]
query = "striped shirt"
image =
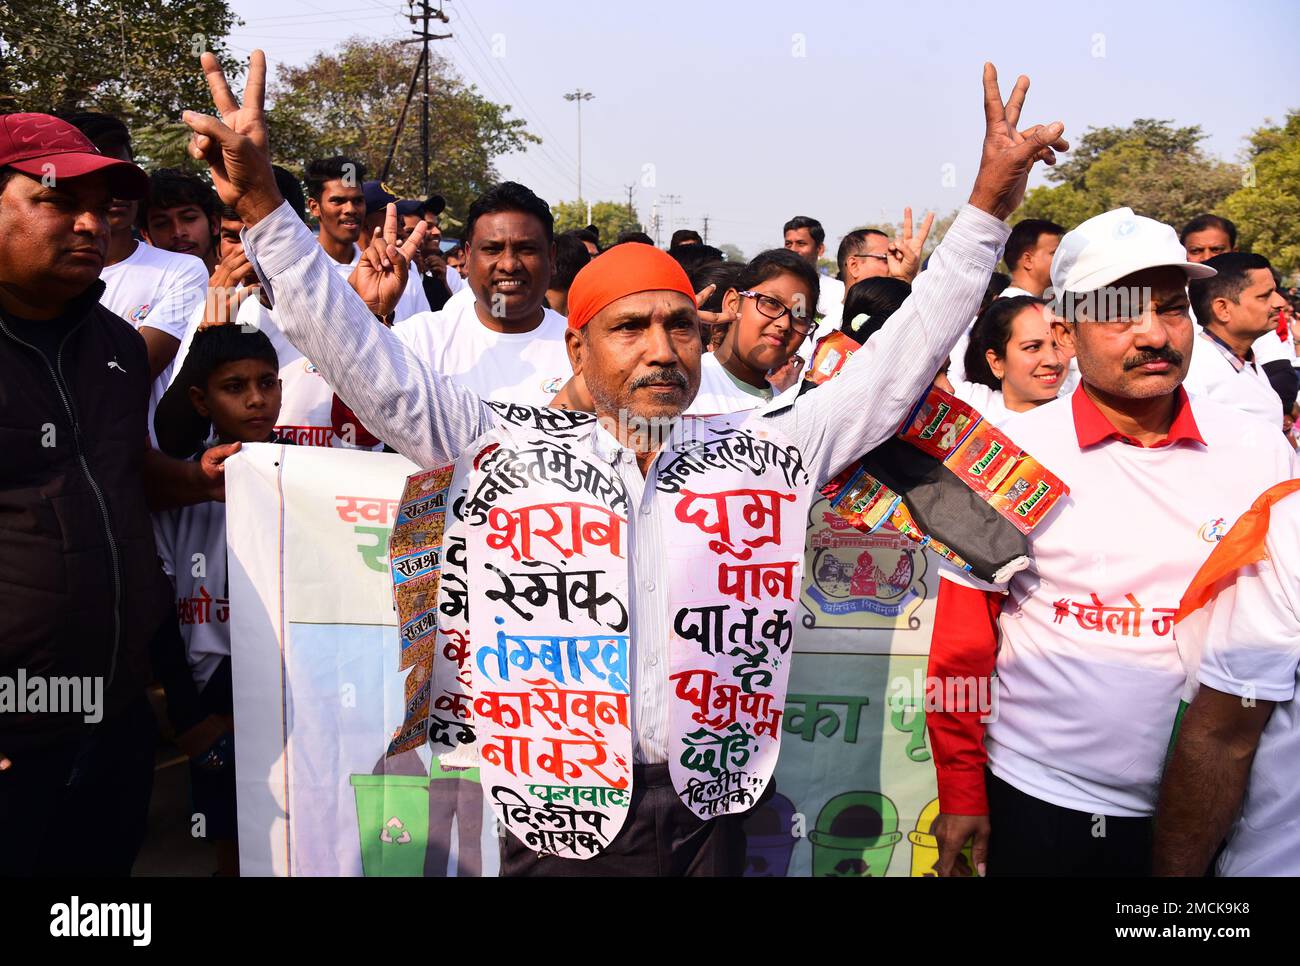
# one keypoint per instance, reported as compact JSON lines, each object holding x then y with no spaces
{"x":431,"y":419}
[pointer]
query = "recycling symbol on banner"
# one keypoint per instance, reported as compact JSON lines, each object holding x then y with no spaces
{"x":392,"y":826}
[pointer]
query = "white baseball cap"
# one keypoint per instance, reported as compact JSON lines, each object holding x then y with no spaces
{"x":1109,"y":246}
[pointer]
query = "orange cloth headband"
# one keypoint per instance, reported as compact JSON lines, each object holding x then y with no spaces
{"x":623,"y":270}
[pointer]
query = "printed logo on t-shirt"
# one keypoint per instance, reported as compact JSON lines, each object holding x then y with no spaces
{"x":138,"y":313}
{"x":1212,"y":531}
{"x":553,"y":385}
{"x":310,"y":368}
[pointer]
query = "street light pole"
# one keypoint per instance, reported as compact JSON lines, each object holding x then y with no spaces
{"x":579,"y":95}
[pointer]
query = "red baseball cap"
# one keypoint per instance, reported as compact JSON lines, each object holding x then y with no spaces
{"x":39,"y":144}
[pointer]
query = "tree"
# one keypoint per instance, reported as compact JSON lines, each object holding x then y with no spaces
{"x":136,"y":59}
{"x":733,"y":253}
{"x":347,"y":101}
{"x":1157,"y":170}
{"x":1266,"y":207}
{"x":609,"y":216}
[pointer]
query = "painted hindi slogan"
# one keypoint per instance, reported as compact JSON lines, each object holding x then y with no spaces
{"x":547,"y":541}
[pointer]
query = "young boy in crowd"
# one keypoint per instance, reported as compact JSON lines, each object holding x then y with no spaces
{"x":231,"y":377}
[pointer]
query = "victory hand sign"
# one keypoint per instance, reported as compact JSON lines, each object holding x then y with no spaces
{"x":1009,"y":154}
{"x":235,"y":144}
{"x":383,"y":268}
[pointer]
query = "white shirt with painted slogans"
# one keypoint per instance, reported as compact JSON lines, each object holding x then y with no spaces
{"x":432,"y":420}
{"x":159,"y":289}
{"x":1251,"y":648}
{"x":1088,"y":674}
{"x":1218,"y":374}
{"x":524,"y":367}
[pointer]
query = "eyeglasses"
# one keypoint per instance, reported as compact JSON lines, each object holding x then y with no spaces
{"x":774,"y":308}
{"x":883,"y":258}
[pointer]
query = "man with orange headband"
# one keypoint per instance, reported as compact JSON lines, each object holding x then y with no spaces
{"x":628,"y":718}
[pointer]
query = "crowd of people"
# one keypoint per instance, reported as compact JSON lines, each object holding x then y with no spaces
{"x":150,"y":324}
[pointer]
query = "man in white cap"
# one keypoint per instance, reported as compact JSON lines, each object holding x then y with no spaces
{"x":1063,"y":780}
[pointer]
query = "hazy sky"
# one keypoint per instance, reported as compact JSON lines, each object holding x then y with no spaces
{"x":753,"y":112}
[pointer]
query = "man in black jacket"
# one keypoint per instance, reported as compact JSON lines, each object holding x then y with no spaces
{"x":81,"y":593}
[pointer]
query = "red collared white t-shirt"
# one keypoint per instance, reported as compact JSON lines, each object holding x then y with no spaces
{"x":1088,"y":674}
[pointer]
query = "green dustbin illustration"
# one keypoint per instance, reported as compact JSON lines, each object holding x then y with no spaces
{"x":393,"y":818}
{"x":855,"y":835}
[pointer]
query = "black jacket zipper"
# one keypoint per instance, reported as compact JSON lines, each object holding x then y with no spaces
{"x":59,"y":383}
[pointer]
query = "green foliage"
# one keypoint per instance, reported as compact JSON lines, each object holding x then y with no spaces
{"x":137,"y":59}
{"x":609,"y":216}
{"x":733,"y":253}
{"x":1266,"y":208}
{"x":1157,"y":170}
{"x":347,"y":101}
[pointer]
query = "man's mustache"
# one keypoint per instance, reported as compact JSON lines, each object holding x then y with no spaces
{"x":1167,"y":354}
{"x":661,"y":377}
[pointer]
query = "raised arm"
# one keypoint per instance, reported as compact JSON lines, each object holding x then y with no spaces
{"x":420,"y":413}
{"x":865,"y":404}
{"x":423,"y":414}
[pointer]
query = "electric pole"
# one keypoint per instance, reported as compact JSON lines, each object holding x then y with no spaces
{"x":579,"y":95}
{"x":422,"y":36}
{"x":631,"y":212}
{"x":671,"y":200}
{"x":706,"y":229}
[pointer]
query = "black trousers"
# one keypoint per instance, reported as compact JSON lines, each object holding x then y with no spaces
{"x":1033,"y":837}
{"x":463,"y":800}
{"x":79,"y":808}
{"x":661,"y":837}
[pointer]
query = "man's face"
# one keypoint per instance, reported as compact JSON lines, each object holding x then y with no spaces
{"x":800,"y":241}
{"x":640,"y":355}
{"x":1256,"y":310}
{"x":509,"y":262}
{"x":1040,"y":259}
{"x":228,"y":242}
{"x":1204,"y":245}
{"x":122,"y":214}
{"x":54,"y":239}
{"x":341,"y":211}
{"x":764,"y":343}
{"x":432,"y":236}
{"x":242,"y":399}
{"x":185,"y":230}
{"x":458,"y":263}
{"x":1143,"y":347}
{"x":870,"y":259}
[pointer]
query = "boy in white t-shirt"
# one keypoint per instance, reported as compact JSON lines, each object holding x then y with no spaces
{"x":231,"y":377}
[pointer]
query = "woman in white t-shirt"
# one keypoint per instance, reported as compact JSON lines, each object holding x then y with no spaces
{"x":1013,"y":363}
